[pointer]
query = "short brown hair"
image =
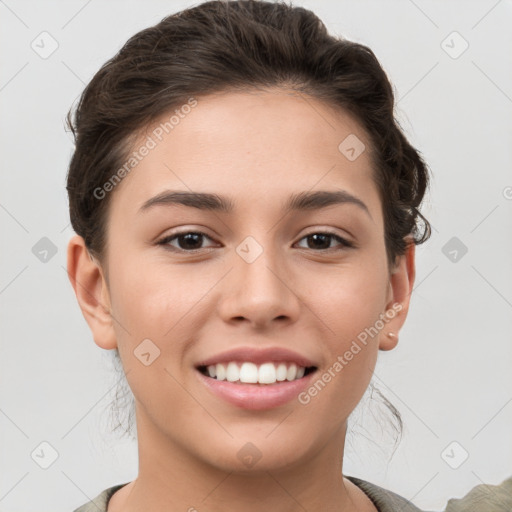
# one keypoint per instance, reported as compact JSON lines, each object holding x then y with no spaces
{"x":217,"y":46}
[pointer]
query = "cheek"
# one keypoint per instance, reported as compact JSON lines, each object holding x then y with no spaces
{"x":348,"y":311}
{"x":349,"y":302}
{"x":152,"y":300}
{"x":150,"y":307}
{"x":144,"y":291}
{"x":347,"y":298}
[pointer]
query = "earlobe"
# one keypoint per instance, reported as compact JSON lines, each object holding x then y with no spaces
{"x":390,"y":343}
{"x":401,"y":282}
{"x":87,"y":279}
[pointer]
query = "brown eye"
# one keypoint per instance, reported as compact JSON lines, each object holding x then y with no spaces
{"x":187,"y":241}
{"x":322,"y":241}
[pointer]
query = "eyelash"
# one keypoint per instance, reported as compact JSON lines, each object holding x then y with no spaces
{"x":165,"y":241}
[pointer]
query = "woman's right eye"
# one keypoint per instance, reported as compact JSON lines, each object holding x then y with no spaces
{"x":188,"y":240}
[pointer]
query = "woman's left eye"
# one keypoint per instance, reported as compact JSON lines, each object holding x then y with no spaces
{"x":319,"y":239}
{"x":189,"y":241}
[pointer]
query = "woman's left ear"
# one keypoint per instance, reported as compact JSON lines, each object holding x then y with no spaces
{"x":401,"y":282}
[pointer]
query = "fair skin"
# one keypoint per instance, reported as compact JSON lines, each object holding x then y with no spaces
{"x":256,"y":148}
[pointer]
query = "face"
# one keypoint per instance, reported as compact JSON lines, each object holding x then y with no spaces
{"x":186,"y":283}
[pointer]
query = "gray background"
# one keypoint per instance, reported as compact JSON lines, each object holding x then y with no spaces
{"x":449,"y":376}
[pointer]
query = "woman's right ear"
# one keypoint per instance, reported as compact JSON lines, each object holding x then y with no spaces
{"x":88,"y":281}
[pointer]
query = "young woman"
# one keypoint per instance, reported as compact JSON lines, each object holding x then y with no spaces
{"x":246,"y":209}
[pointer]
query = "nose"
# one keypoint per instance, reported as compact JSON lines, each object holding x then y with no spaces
{"x":260,"y":292}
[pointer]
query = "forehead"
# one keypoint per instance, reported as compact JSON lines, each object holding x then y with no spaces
{"x":258,"y":145}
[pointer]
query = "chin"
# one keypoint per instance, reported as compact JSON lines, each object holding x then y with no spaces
{"x":259,"y":453}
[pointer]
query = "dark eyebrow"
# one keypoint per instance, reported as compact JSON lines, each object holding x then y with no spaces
{"x":214,"y":202}
{"x":322,"y":199}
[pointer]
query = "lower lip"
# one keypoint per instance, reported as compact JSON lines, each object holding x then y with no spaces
{"x":256,"y":396}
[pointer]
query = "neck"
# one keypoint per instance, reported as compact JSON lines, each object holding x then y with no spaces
{"x":172,"y":479}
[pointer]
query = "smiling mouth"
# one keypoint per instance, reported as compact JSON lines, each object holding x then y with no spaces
{"x":250,"y":373}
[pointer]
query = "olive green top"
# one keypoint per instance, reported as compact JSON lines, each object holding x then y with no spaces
{"x":482,"y":498}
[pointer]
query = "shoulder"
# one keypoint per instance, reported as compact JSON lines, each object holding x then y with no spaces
{"x":483,"y":497}
{"x":384,"y":500}
{"x":491,"y":498}
{"x":99,"y":504}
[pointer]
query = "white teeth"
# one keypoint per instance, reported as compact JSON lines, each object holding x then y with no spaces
{"x":248,"y":373}
{"x":281,"y":372}
{"x":292,"y":372}
{"x":232,"y":372}
{"x":220,"y":372}
{"x":266,"y":373}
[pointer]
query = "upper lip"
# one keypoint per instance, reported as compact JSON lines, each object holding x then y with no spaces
{"x":258,"y":356}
